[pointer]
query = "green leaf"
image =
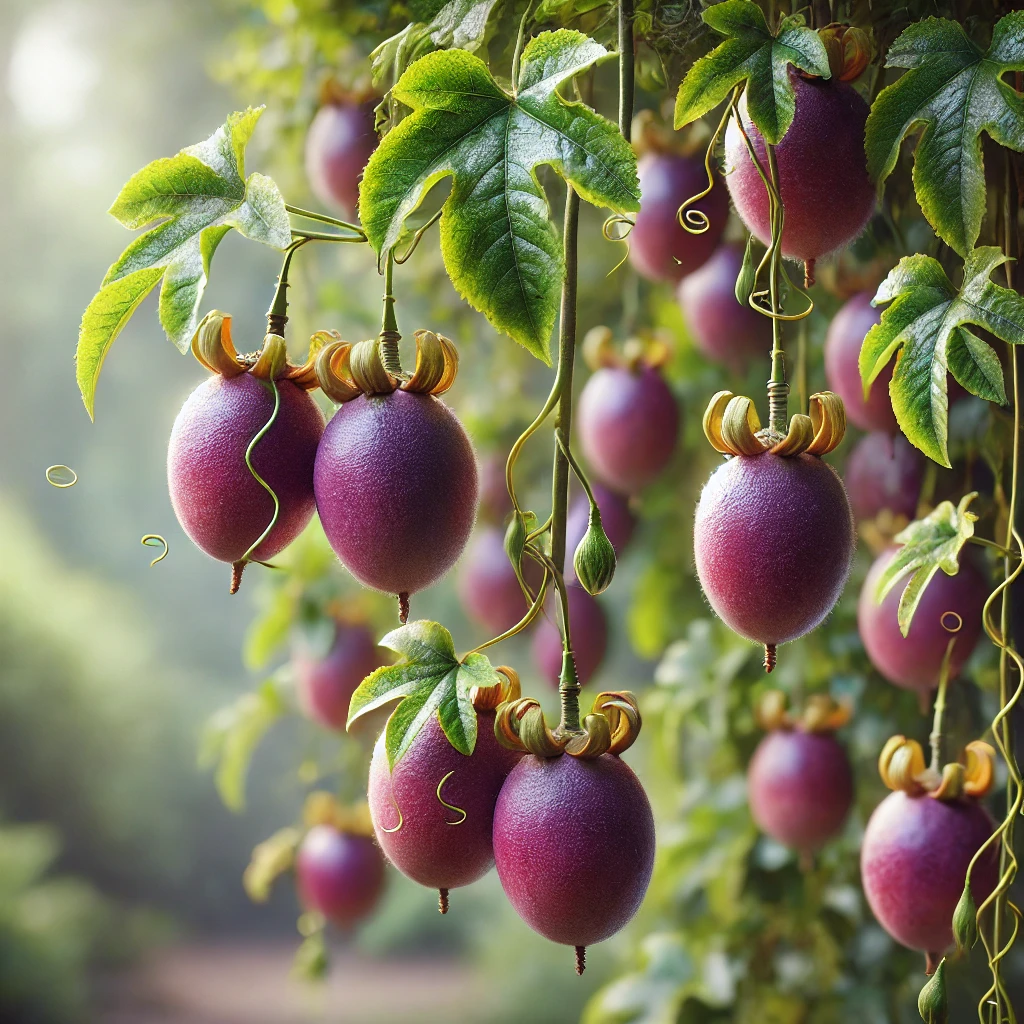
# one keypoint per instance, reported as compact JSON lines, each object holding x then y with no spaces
{"x":955,"y":91}
{"x":500,"y":248}
{"x":188,"y":202}
{"x":461,"y":24}
{"x":924,"y":324}
{"x":232,"y":736}
{"x":928,"y":545}
{"x":428,"y":680}
{"x":753,"y":55}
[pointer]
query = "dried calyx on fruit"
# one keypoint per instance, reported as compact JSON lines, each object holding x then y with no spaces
{"x":821,"y":713}
{"x":249,"y":495}
{"x":902,"y":767}
{"x":849,"y":50}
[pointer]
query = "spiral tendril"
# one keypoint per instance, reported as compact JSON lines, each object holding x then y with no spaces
{"x":401,"y":819}
{"x":54,"y":474}
{"x":696,"y":222}
{"x":404,"y":258}
{"x":451,"y":807}
{"x":261,"y":433}
{"x":154,"y":540}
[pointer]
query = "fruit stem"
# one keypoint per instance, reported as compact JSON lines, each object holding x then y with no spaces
{"x":581,"y":959}
{"x":277,"y":315}
{"x":323,"y":218}
{"x":778,"y":389}
{"x":442,"y":901}
{"x":389,"y":336}
{"x":935,"y":739}
{"x":568,"y":686}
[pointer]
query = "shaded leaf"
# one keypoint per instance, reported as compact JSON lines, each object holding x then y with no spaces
{"x":429,"y":680}
{"x":188,"y":202}
{"x":751,"y":54}
{"x":923,"y":325}
{"x":955,"y":91}
{"x":928,"y":545}
{"x":500,"y":248}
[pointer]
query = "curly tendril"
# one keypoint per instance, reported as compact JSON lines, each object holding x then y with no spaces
{"x":607,"y":230}
{"x":414,"y":243}
{"x":696,"y":222}
{"x":401,"y":819}
{"x":451,"y":807}
{"x":57,"y":476}
{"x":154,"y":540}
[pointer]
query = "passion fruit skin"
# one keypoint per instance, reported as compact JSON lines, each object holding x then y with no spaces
{"x":628,"y":425}
{"x":429,"y":847}
{"x":396,"y":489}
{"x":722,"y":329}
{"x":913,"y":662}
{"x":800,"y":787}
{"x":589,"y":637}
{"x":488,"y":588}
{"x":339,"y":142}
{"x":574,"y":845}
{"x":773,"y":542}
{"x":884,"y":473}
{"x":660,"y":249}
{"x":913,"y":864}
{"x":339,"y":874}
{"x":822,"y":168}
{"x":325,"y":684}
{"x":218,"y":502}
{"x":843,"y":342}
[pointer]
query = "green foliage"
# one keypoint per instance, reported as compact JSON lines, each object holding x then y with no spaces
{"x":189,"y":202}
{"x":928,"y":545}
{"x":924,"y":323}
{"x":500,"y":248}
{"x":430,"y":679}
{"x":955,"y":91}
{"x":754,"y":55}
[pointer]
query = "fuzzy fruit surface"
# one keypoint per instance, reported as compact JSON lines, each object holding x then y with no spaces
{"x":823,"y":176}
{"x":660,"y":249}
{"x":914,"y":661}
{"x":325,"y":684}
{"x":913,"y":864}
{"x":843,"y":343}
{"x":396,"y":489}
{"x":589,"y":637}
{"x":773,"y":541}
{"x":800,"y":788}
{"x":218,"y":502}
{"x":617,"y":521}
{"x":725,"y":331}
{"x":339,"y":142}
{"x":884,"y":472}
{"x":489,"y":590}
{"x":429,"y":846}
{"x":338,"y":874}
{"x":628,"y":425}
{"x":574,"y":845}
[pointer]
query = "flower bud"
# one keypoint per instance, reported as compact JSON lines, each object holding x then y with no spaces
{"x":932,"y":1003}
{"x":594,"y":560}
{"x":515,"y":540}
{"x":965,"y":920}
{"x":748,"y":273}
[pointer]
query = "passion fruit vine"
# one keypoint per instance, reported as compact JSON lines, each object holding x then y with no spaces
{"x":774,"y":534}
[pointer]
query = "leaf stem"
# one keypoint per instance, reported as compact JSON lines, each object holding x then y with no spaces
{"x":323,"y":218}
{"x":326,"y":236}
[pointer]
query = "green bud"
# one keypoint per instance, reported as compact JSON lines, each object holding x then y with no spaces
{"x":965,"y":920}
{"x":515,"y":539}
{"x":594,"y":560}
{"x":931,"y":1003}
{"x":748,"y":272}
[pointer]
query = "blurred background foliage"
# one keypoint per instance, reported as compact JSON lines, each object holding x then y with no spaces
{"x":110,"y":839}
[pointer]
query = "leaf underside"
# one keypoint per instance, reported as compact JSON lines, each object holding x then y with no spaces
{"x":924,"y":326}
{"x":428,"y":681}
{"x":954,"y":91}
{"x":188,"y":203}
{"x":751,"y":54}
{"x":500,"y":248}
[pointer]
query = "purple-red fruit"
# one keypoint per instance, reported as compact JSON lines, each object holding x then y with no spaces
{"x":488,"y":587}
{"x":913,"y":864}
{"x":628,"y":423}
{"x":915,"y":660}
{"x":325,"y":684}
{"x":800,"y":788}
{"x":495,"y":503}
{"x":843,"y":343}
{"x":339,"y":874}
{"x":589,"y":633}
{"x":396,"y":489}
{"x":773,"y":542}
{"x":340,"y":140}
{"x":574,"y":845}
{"x":659,"y":247}
{"x":439,"y":846}
{"x":884,"y":473}
{"x":822,"y":171}
{"x":219,"y":503}
{"x":725,"y":331}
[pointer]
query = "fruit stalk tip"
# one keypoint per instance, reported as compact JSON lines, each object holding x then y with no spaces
{"x":808,"y":273}
{"x":770,"y":657}
{"x":442,"y":901}
{"x":237,"y":568}
{"x":403,"y":614}
{"x":581,"y":959}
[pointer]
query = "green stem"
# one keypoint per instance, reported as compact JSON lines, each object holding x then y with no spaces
{"x":574,"y":465}
{"x":627,"y":76}
{"x":277,"y":315}
{"x":323,"y":218}
{"x":520,"y":40}
{"x":938,"y":714}
{"x":568,"y":687}
{"x":801,"y":366}
{"x":326,"y":236}
{"x":778,"y":390}
{"x":986,"y":543}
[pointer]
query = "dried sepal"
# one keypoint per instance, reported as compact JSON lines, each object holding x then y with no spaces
{"x":304,"y":376}
{"x":520,"y":725}
{"x":272,"y":360}
{"x":798,"y":438}
{"x":623,"y":713}
{"x":731,"y":425}
{"x":770,"y":711}
{"x":828,"y":417}
{"x":594,"y":740}
{"x":270,"y":859}
{"x":849,"y":50}
{"x":951,"y":783}
{"x":488,"y":698}
{"x":367,"y":369}
{"x":979,"y":773}
{"x":437,"y":364}
{"x":213,"y":347}
{"x":901,"y":765}
{"x":598,"y":350}
{"x":320,"y":808}
{"x":333,"y":374}
{"x":824,"y":714}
